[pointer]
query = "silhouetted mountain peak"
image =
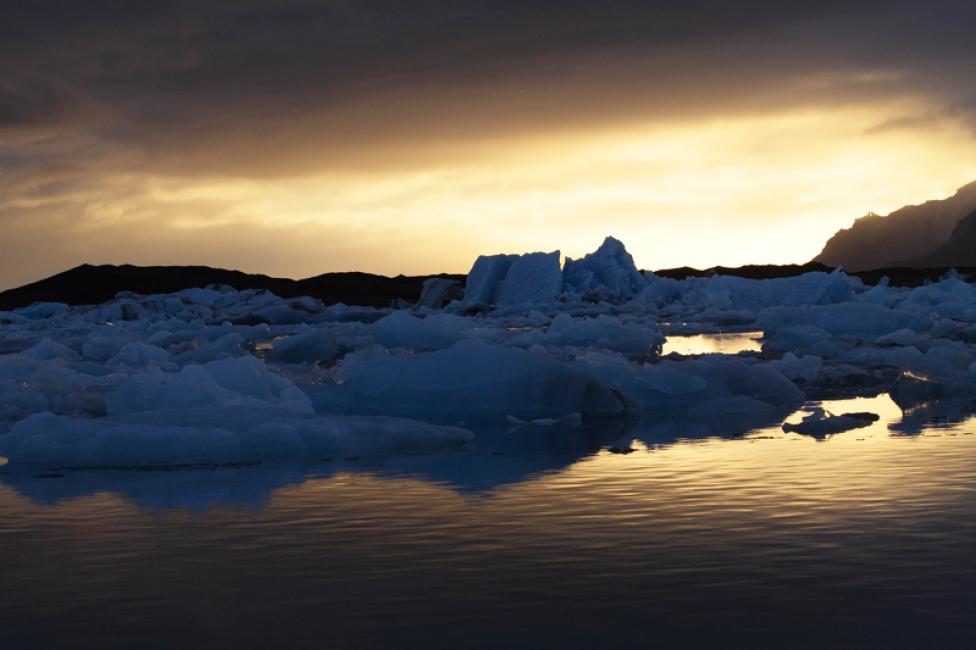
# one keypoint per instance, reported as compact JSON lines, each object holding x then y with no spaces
{"x":958,"y":251}
{"x":875,"y":241}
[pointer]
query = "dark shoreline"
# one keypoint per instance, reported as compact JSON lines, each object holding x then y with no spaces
{"x":89,"y":284}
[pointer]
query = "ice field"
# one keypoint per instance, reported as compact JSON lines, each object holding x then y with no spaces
{"x":218,"y":376}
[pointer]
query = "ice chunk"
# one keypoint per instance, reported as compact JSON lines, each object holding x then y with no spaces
{"x":241,"y":381}
{"x":48,"y":440}
{"x":735,"y":406}
{"x":900,"y":337}
{"x":42,"y":310}
{"x":101,"y":347}
{"x":681,"y":385}
{"x":862,"y":320}
{"x":17,"y":401}
{"x":140,"y":355}
{"x":609,"y":273}
{"x":48,"y":350}
{"x":531,"y":279}
{"x":667,"y":380}
{"x":202,"y":351}
{"x":820,"y":423}
{"x":438,"y":292}
{"x":484,"y":277}
{"x":510,"y":280}
{"x":470,"y":379}
{"x":307,"y":347}
{"x":805,"y":369}
{"x":604,"y":332}
{"x":401,"y":330}
{"x":281,"y":315}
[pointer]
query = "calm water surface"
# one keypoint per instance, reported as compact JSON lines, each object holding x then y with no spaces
{"x":720,"y":343}
{"x":531,"y":538}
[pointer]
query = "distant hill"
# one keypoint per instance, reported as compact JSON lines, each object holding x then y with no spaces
{"x":751,"y":271}
{"x":91,"y":285}
{"x":959,"y":250}
{"x":88,"y":284}
{"x":909,"y":233}
{"x":898,"y":276}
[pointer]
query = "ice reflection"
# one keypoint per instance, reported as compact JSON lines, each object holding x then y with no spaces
{"x":702,"y":527}
{"x":499,"y":457}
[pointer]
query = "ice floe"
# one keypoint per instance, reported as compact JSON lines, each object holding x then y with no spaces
{"x":215,"y":375}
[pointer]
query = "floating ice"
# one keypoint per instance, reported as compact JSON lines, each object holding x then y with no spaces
{"x":527,"y":279}
{"x":469,"y":380}
{"x":50,"y":440}
{"x":309,"y":347}
{"x":820,"y":423}
{"x":607,"y":274}
{"x":401,"y":330}
{"x":438,"y":292}
{"x":216,"y":375}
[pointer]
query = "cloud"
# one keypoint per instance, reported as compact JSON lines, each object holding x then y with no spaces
{"x":124,"y":120}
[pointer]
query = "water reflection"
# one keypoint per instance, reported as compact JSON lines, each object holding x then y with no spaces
{"x":498,"y":456}
{"x":718,"y":343}
{"x":706,"y":534}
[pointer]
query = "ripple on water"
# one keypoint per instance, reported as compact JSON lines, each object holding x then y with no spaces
{"x":863,"y":540}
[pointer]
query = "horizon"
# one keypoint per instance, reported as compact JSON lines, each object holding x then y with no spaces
{"x":295,"y":138}
{"x":562,"y":261}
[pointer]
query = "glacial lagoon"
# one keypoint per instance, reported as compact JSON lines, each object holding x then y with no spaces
{"x":578,"y":538}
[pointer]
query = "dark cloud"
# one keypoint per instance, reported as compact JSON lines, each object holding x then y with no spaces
{"x":96,"y":90}
{"x":220,"y":83}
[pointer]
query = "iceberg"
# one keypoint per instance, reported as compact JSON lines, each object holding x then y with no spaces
{"x":48,"y":440}
{"x":471,"y":379}
{"x":608,"y":274}
{"x":215,"y":375}
{"x":510,"y":280}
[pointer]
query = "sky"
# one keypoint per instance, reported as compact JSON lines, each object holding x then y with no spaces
{"x":295,"y":137}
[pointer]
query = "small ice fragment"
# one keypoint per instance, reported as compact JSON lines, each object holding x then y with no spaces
{"x":821,"y":423}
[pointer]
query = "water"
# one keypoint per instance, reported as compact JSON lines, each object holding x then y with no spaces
{"x":720,"y":343}
{"x":533,"y":538}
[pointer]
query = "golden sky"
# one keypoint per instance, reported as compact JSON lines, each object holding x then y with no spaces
{"x":295,"y":138}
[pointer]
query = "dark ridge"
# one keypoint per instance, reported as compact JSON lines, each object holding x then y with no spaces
{"x":354,"y":288}
{"x":959,"y":250}
{"x":91,"y":285}
{"x":904,"y":276}
{"x":897,"y":276}
{"x":751,"y":271}
{"x":681,"y":273}
{"x":902,"y":238}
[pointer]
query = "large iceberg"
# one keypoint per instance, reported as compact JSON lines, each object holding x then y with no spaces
{"x":607,"y":274}
{"x":49,"y":440}
{"x":473,"y":380}
{"x":527,"y":279}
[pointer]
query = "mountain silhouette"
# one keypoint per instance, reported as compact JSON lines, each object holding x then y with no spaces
{"x":910,"y":233}
{"x":958,"y":251}
{"x":89,"y":285}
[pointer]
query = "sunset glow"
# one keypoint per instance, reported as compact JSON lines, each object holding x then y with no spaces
{"x":696,"y":151}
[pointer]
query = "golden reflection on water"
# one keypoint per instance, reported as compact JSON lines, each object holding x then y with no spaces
{"x":764,"y":469}
{"x":720,"y":343}
{"x":717,"y":483}
{"x":882,"y":405}
{"x":779,"y":524}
